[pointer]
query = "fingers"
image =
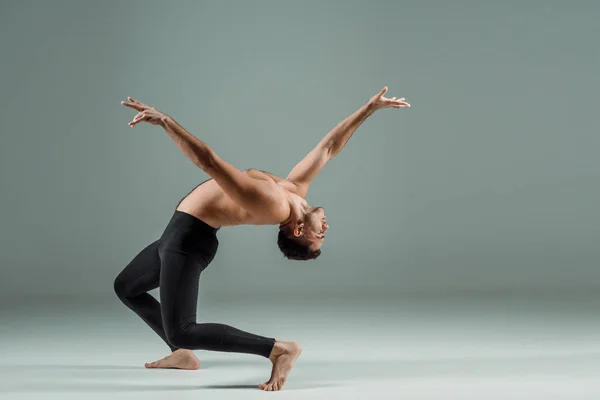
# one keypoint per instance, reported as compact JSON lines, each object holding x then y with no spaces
{"x":140,"y":117}
{"x":395,"y":102}
{"x":134,"y":123}
{"x":383,"y":91}
{"x":135,"y":104}
{"x":140,"y":107}
{"x":139,"y":103}
{"x":400,"y":103}
{"x":132,"y":105}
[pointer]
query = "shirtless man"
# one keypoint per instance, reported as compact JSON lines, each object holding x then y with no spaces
{"x":230,"y":197}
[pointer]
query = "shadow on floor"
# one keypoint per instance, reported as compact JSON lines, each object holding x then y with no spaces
{"x":66,"y":367}
{"x":308,"y":374}
{"x":85,"y":386}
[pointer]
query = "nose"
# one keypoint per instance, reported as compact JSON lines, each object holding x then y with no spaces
{"x":325,"y":226}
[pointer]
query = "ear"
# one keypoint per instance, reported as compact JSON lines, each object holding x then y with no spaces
{"x":298,"y":229}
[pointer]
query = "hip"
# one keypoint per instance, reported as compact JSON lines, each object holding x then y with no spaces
{"x":189,"y":235}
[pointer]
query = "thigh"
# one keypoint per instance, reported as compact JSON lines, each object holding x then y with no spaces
{"x":142,"y":273}
{"x":179,"y":282}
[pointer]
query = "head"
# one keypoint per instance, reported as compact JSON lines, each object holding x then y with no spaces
{"x":301,"y":237}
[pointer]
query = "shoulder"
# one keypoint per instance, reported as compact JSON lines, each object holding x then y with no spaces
{"x":296,"y":188}
{"x":285,"y":185}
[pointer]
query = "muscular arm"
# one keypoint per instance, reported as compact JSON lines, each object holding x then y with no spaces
{"x":252,"y":194}
{"x":307,"y":169}
{"x":331,"y":145}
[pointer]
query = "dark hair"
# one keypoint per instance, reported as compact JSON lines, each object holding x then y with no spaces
{"x":294,"y":249}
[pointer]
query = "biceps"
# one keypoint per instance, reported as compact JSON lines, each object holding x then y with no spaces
{"x":234,"y":183}
{"x":306,"y":170}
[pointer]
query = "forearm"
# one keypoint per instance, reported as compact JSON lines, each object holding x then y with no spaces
{"x":231,"y":179}
{"x":195,"y":149}
{"x":249,"y":193}
{"x":337,"y":138}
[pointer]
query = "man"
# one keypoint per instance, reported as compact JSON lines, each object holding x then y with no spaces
{"x":230,"y":197}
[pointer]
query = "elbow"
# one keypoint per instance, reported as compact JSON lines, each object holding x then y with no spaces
{"x":331,"y":152}
{"x":206,"y":160}
{"x":328,"y":149}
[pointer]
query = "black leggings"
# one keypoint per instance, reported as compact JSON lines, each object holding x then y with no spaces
{"x":173,"y":264}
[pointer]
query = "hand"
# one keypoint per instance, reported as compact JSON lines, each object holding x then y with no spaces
{"x":378,"y":101}
{"x":145,"y":113}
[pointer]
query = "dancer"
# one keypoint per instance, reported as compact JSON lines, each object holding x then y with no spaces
{"x":189,"y":243}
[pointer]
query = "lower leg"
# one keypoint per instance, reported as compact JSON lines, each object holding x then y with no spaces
{"x":218,"y":337}
{"x":148,"y":309}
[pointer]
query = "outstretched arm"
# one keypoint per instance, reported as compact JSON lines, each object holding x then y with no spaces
{"x":249,"y":193}
{"x":330,"y":146}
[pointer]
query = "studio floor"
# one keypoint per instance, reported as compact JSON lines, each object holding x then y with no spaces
{"x":410,"y":348}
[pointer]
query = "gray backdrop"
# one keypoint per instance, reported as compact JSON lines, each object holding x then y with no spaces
{"x":488,"y":183}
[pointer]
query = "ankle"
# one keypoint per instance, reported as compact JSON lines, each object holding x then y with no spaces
{"x":279,"y":348}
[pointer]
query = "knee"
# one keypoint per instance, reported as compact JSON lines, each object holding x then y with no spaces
{"x":177,"y":338}
{"x":121,"y":287}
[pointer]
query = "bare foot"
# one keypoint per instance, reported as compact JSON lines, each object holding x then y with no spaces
{"x":179,"y":359}
{"x":283,"y":356}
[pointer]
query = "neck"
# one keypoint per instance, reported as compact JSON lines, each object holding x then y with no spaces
{"x":298,"y":207}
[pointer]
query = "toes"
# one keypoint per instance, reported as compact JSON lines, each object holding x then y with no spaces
{"x":271,"y":386}
{"x":155,"y":364}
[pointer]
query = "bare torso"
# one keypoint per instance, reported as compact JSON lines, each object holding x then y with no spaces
{"x":209,"y":202}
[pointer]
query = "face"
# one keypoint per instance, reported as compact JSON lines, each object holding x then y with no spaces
{"x":315,"y":226}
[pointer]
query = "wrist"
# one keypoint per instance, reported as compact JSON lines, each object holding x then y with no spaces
{"x":165,"y":120}
{"x":370,"y":107}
